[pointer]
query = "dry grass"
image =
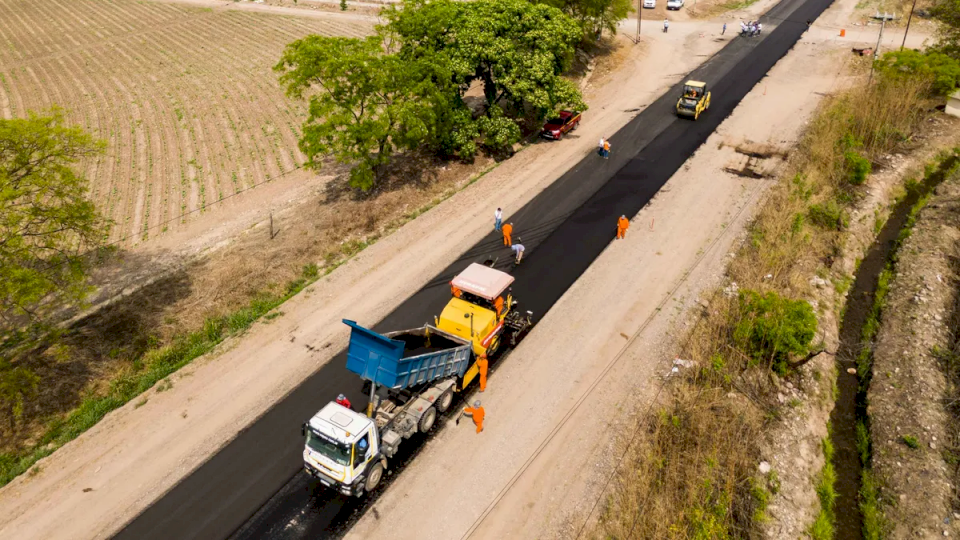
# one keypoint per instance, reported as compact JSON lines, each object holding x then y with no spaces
{"x":694,"y":475}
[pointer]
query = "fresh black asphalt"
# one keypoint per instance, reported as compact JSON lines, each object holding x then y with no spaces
{"x":255,"y":488}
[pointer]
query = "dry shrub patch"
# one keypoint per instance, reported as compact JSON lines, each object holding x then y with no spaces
{"x":694,"y":473}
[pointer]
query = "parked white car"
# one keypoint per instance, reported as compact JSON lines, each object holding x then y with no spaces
{"x":674,"y":5}
{"x":649,"y":4}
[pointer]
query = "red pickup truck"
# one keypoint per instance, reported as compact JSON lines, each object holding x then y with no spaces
{"x":556,"y":127}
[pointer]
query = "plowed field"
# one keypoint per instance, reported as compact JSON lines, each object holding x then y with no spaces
{"x":184,"y":96}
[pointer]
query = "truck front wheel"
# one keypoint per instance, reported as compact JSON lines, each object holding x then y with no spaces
{"x":373,"y":477}
{"x":428,"y":419}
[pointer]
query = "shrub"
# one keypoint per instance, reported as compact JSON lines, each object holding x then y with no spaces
{"x":910,"y":441}
{"x":828,"y":215}
{"x":858,"y":167}
{"x":772,"y":327}
{"x":938,"y":69}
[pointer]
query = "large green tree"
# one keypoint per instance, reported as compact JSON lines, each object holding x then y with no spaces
{"x":47,"y":223}
{"x":366,"y":104}
{"x":47,"y":229}
{"x":405,"y":87}
{"x":516,"y":49}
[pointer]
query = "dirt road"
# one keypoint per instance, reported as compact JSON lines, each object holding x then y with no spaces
{"x":92,"y":486}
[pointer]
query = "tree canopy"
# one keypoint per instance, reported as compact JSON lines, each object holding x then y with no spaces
{"x":594,"y":15}
{"x":368,"y":103}
{"x":405,"y":87}
{"x":47,"y":227}
{"x":947,"y":12}
{"x":46,"y":222}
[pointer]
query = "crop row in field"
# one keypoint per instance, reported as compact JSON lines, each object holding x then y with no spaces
{"x":184,"y":96}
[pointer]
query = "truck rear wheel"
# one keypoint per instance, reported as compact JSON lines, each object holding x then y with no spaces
{"x":373,"y":477}
{"x":445,"y":400}
{"x":427,"y":420}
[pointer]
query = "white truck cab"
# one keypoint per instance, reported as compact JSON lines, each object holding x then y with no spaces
{"x":342,"y":450}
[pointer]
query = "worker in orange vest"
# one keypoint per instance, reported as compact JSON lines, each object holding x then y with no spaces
{"x":476,"y":412}
{"x":498,"y":304}
{"x":507,"y":231}
{"x":482,"y":365}
{"x":622,"y":225}
{"x":456,"y":292}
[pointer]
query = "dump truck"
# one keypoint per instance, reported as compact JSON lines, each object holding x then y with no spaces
{"x":412,"y":376}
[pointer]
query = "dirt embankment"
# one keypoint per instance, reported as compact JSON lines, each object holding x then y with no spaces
{"x":913,"y":425}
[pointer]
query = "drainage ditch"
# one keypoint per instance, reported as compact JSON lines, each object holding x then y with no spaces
{"x":849,"y":413}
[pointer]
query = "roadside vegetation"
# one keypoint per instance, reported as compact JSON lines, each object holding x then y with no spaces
{"x":48,"y":229}
{"x":405,"y":88}
{"x":379,"y":105}
{"x":695,"y":472}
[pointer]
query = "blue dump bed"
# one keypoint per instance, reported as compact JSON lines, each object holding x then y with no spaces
{"x":407,"y":358}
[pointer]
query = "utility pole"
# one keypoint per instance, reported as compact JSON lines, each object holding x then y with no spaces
{"x":910,"y":18}
{"x":876,"y":50}
{"x":639,"y":16}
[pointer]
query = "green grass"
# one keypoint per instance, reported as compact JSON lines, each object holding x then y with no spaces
{"x":823,"y":527}
{"x":761,"y":498}
{"x":157,"y":364}
{"x":873,"y":522}
{"x":910,"y":441}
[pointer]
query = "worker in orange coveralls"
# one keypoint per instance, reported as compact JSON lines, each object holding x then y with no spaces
{"x":453,"y":289}
{"x":622,"y":225}
{"x":498,"y":304}
{"x":507,"y":231}
{"x":476,"y":412}
{"x":483,"y":365}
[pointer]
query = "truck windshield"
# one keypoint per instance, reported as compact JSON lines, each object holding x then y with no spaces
{"x":329,"y":448}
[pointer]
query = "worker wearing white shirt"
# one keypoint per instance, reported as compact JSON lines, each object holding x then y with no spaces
{"x":518,"y":249}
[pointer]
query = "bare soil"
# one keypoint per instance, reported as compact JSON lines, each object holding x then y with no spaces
{"x":913,"y":426}
{"x":183,"y":94}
